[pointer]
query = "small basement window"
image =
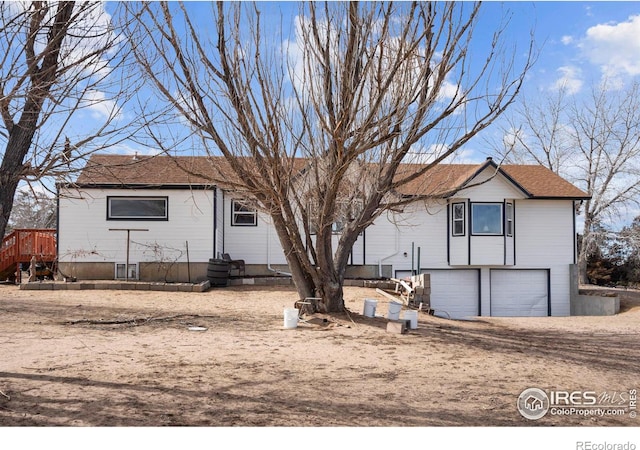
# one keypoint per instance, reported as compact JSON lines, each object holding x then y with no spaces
{"x":243,"y":215}
{"x":137,"y":208}
{"x":486,"y":219}
{"x":122,"y":275}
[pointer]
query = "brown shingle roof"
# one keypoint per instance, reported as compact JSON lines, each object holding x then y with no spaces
{"x":148,"y":170}
{"x":442,"y":180}
{"x":445,"y":179}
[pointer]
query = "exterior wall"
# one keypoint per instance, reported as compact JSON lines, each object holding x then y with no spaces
{"x":84,"y":234}
{"x":397,"y":243}
{"x":219,"y":223}
{"x":255,"y":244}
{"x":543,"y":239}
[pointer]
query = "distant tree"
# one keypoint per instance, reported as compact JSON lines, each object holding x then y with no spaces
{"x":32,"y":210}
{"x":593,"y":141}
{"x":60,"y":95}
{"x":629,"y":238}
{"x":357,"y":90}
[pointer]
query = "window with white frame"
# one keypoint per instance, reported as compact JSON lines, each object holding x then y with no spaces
{"x":509,"y":214}
{"x":122,"y":274}
{"x":137,"y":208}
{"x":457,"y":219}
{"x":243,"y":215}
{"x":486,"y":219}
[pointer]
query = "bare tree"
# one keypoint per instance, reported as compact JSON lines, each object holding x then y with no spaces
{"x":32,"y":210}
{"x":313,"y":126}
{"x":60,"y":92}
{"x":594,"y":142}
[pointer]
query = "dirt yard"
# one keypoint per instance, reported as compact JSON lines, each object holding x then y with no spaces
{"x":143,"y":366}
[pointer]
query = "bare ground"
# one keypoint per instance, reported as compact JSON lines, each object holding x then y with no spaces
{"x":142,"y":366}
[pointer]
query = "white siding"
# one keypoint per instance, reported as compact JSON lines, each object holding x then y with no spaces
{"x":84,"y":232}
{"x":495,"y":190}
{"x":545,"y":240}
{"x":392,"y":237}
{"x":459,"y":245}
{"x":219,"y":223}
{"x":255,"y":244}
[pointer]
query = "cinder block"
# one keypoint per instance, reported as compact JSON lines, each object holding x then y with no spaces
{"x":114,"y":286}
{"x":397,"y":326}
{"x":185,"y":288}
{"x":202,"y":287}
{"x":87,"y":286}
{"x":141,"y":286}
{"x":170,"y":287}
{"x":73,"y":286}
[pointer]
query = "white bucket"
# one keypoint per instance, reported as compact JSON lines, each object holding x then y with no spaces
{"x":411,"y":315}
{"x":370,"y":307}
{"x":394,"y":311}
{"x":291,"y":317}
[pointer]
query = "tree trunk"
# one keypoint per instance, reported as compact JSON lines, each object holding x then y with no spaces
{"x":585,"y":250}
{"x":12,"y":168}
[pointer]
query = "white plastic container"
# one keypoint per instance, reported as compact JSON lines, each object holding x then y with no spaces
{"x":394,"y":311}
{"x":291,"y":317}
{"x":370,"y":307}
{"x":411,"y":315}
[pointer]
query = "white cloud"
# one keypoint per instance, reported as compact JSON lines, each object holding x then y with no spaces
{"x":566,"y":40}
{"x":570,"y":79}
{"x":614,"y":47}
{"x":99,"y":105}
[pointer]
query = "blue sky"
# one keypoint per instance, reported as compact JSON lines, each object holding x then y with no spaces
{"x":579,"y":43}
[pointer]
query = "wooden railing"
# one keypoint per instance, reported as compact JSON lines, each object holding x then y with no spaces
{"x":22,"y":244}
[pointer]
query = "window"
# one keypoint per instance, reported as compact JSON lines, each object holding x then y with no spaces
{"x":243,"y":215}
{"x":121,"y":273}
{"x":486,"y":219}
{"x":345,"y":212}
{"x":509,"y":214}
{"x":137,"y":208}
{"x":457,"y":219}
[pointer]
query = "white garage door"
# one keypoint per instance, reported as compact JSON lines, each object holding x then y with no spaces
{"x":519,"y":293}
{"x":455,"y":294}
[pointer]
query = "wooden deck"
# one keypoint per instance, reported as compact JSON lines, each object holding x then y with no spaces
{"x":21,"y":245}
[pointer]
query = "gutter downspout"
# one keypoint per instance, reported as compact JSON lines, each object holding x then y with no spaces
{"x":391,"y":255}
{"x":269,"y":268}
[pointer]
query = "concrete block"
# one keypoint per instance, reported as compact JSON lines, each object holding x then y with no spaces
{"x":169,"y":287}
{"x":72,"y":286}
{"x":185,"y":288}
{"x":87,"y":286}
{"x":593,"y":305}
{"x":202,"y":287}
{"x":113,"y":286}
{"x":397,"y":326}
{"x":141,"y":286}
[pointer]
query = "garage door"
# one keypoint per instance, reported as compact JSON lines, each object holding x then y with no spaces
{"x":519,"y":293}
{"x":455,"y":293}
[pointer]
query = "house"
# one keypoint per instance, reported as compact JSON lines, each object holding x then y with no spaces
{"x":496,"y":240}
